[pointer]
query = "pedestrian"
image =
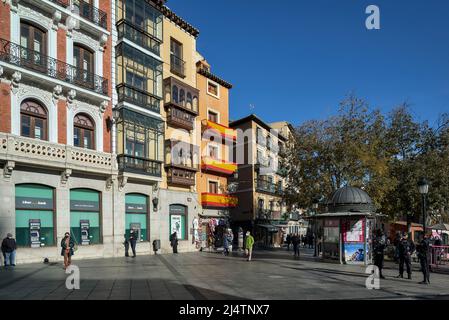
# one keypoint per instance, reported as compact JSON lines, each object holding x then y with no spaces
{"x":289,"y":240}
{"x":296,"y":243}
{"x":231,"y":240}
{"x":226,"y":243}
{"x":378,"y":251}
{"x":9,"y":248}
{"x":249,"y":243}
{"x":424,"y":256}
{"x":67,"y":245}
{"x":406,"y":248}
{"x":396,"y":241}
{"x":126,"y":244}
{"x":211,"y":242}
{"x":133,"y":241}
{"x":174,"y":242}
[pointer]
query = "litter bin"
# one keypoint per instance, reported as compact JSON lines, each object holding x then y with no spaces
{"x":156,"y":245}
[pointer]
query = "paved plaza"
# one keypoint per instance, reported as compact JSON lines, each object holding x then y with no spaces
{"x":273,"y":274}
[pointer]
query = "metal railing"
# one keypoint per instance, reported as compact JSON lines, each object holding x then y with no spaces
{"x":267,"y":186}
{"x":86,"y":10}
{"x":180,"y":118}
{"x":138,"y":36}
{"x":138,"y":97}
{"x":139,"y":165}
{"x":23,"y":57}
{"x":177,"y":65}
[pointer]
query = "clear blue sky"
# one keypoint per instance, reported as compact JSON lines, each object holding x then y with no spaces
{"x":295,"y":60}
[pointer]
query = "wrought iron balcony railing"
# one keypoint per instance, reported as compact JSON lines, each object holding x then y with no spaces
{"x":86,"y":10}
{"x":29,"y":59}
{"x":177,"y":66}
{"x":138,"y":97}
{"x":268,"y":187}
{"x":135,"y":34}
{"x":139,"y":165}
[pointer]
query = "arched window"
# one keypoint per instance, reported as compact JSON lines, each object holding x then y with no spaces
{"x":195,"y":103}
{"x":83,"y":132}
{"x":83,"y":59}
{"x":175,"y":94}
{"x":33,"y":40}
{"x":33,"y":120}
{"x":182,"y":97}
{"x":189,"y":100}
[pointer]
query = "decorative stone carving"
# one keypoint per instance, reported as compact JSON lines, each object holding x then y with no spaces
{"x":16,"y":77}
{"x":57,"y":91}
{"x":56,"y":19}
{"x":103,"y":106}
{"x":122,"y":180}
{"x":86,"y":40}
{"x":103,"y":41}
{"x":110,"y":182}
{"x":65,"y":175}
{"x":27,"y":91}
{"x":71,"y":96}
{"x":12,"y":3}
{"x":35,"y":16}
{"x":7,"y":170}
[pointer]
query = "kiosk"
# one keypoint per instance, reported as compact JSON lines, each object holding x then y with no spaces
{"x":346,"y":229}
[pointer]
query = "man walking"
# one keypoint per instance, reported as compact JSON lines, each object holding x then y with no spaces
{"x":295,"y":242}
{"x":174,"y":242}
{"x":249,"y":245}
{"x":133,"y":241}
{"x":126,"y":244}
{"x":9,"y":250}
{"x":288,"y":240}
{"x":405,"y":251}
{"x":378,"y":251}
{"x":424,"y":257}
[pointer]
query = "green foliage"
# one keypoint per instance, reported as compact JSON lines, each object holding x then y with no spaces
{"x":384,"y":155}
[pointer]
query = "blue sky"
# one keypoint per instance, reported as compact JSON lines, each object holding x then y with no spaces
{"x":296,"y":60}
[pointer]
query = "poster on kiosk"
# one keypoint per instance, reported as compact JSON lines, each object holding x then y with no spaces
{"x":354,"y":240}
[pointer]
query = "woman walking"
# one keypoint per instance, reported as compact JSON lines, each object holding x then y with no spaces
{"x":67,"y":245}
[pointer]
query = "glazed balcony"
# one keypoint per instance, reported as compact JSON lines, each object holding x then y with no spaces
{"x":216,"y":200}
{"x":138,"y":36}
{"x":34,"y":152}
{"x":139,"y":165}
{"x":218,"y":166}
{"x":211,"y":128}
{"x":14,"y":54}
{"x":266,"y":186}
{"x":181,"y":162}
{"x":177,"y":66}
{"x":138,"y":97}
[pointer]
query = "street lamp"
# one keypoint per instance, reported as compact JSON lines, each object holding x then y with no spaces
{"x":423,"y":188}
{"x":315,"y":204}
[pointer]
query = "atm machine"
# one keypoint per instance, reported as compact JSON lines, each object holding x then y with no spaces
{"x":137,"y":229}
{"x":85,"y":237}
{"x":35,"y":233}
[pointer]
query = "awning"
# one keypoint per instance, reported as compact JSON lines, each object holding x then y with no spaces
{"x":269,"y":227}
{"x":440,"y":226}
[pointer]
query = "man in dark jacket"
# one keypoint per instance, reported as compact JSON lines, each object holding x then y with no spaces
{"x":406,"y":248}
{"x":295,"y":242}
{"x":288,"y":240}
{"x":133,"y":241}
{"x":174,"y":242}
{"x":379,"y":244}
{"x":9,"y":250}
{"x":424,"y":256}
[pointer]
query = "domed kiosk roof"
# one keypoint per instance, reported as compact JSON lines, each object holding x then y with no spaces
{"x":350,"y":199}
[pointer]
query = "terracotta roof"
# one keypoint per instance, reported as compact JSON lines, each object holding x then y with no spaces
{"x":215,"y":78}
{"x":178,"y":20}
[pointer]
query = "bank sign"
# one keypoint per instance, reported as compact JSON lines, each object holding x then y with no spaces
{"x":34,"y":203}
{"x":84,"y":205}
{"x":136,"y":208}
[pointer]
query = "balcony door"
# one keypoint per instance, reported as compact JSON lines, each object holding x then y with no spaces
{"x":33,"y":47}
{"x":83,"y":60}
{"x":85,"y":8}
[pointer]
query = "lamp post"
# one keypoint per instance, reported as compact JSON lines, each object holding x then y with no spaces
{"x":315,"y":211}
{"x":423,"y":188}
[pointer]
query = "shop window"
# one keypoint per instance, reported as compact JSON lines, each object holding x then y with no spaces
{"x":136,"y":217}
{"x":178,"y":221}
{"x":83,"y":132}
{"x":35,"y":212}
{"x":33,"y":120}
{"x":85,"y":216}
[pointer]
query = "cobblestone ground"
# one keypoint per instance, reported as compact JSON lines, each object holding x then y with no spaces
{"x":204,"y":276}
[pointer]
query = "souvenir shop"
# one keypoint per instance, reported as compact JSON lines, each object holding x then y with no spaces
{"x":212,"y":231}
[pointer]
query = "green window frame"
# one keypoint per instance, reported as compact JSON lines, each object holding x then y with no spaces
{"x":134,"y":216}
{"x":91,"y":200}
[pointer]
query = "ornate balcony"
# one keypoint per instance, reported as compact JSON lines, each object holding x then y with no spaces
{"x":139,"y":165}
{"x":213,"y":129}
{"x":41,"y":153}
{"x":86,"y":10}
{"x":181,"y":103}
{"x":127,"y":93}
{"x":181,"y":162}
{"x":17,"y":55}
{"x":218,"y":166}
{"x":216,"y":200}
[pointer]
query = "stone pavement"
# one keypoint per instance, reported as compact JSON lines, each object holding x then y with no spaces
{"x":203,"y":276}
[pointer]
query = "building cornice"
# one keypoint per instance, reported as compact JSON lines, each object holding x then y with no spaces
{"x":215,"y":78}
